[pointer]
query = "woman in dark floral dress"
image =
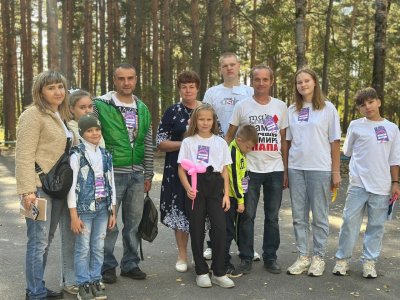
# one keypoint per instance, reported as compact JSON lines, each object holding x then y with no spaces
{"x":170,"y":134}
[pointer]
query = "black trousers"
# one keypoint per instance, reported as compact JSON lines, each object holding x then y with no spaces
{"x":232,"y":226}
{"x":208,"y":201}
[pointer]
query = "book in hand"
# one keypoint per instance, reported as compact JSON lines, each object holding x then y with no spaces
{"x":37,"y":210}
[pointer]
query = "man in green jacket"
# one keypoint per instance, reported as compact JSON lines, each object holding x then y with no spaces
{"x":126,"y":128}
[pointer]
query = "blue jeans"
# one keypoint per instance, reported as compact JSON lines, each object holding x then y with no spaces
{"x":358,"y":200}
{"x":67,"y":249}
{"x":130,"y":195}
{"x":89,"y":246}
{"x":40,"y":234}
{"x":310,"y":190}
{"x":272,"y":184}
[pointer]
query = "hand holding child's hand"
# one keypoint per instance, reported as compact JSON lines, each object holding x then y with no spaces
{"x":240,"y":208}
{"x":226,"y":203}
{"x":77,"y":225}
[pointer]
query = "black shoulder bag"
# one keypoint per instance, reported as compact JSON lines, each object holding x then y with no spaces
{"x":58,"y":181}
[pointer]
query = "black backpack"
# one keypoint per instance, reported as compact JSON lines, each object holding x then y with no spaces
{"x":148,"y":229}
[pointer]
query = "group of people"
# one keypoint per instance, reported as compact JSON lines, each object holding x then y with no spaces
{"x":239,"y":138}
{"x":104,"y":179}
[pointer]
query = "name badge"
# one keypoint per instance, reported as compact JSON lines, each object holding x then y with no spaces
{"x":304,"y":114}
{"x":270,"y":124}
{"x":130,"y":119}
{"x":245,"y":184}
{"x":203,"y":153}
{"x":381,"y":134}
{"x":100,"y":191}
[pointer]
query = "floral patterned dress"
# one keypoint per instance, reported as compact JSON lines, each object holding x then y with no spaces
{"x":172,"y":200}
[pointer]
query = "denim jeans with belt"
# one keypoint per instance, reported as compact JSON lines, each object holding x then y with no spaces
{"x":130,"y":197}
{"x":89,"y":246}
{"x":272,"y":184}
{"x":357,"y":202}
{"x":310,"y":190}
{"x":40,"y":234}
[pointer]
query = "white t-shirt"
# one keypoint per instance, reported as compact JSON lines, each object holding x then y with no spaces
{"x":223,"y":100}
{"x":212,"y":151}
{"x":311,"y":133}
{"x":130,"y":114}
{"x":268,"y":119}
{"x":374,"y":146}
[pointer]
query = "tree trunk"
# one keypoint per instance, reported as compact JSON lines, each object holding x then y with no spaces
{"x":300,"y":33}
{"x":253,"y":38}
{"x":52,"y":35}
{"x":26,"y":48}
{"x":137,"y":42}
{"x":103,"y":76}
{"x":66,"y":42}
{"x":155,"y":115}
{"x":195,"y":24}
{"x":208,"y":43}
{"x":9,"y":69}
{"x":130,"y":20}
{"x":166,"y":73}
{"x":87,"y":47}
{"x":226,"y":25}
{"x":326,"y":48}
{"x":345,"y":121}
{"x":378,"y":72}
{"x":40,"y":37}
{"x":117,"y":30}
{"x":110,"y":43}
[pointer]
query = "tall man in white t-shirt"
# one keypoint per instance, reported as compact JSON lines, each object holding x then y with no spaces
{"x":223,"y":98}
{"x":266,"y":165}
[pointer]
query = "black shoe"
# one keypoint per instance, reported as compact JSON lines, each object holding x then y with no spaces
{"x":109,"y":276}
{"x":272,"y":267}
{"x":97,"y":292}
{"x":50,"y":295}
{"x":232,"y":272}
{"x":54,"y":295}
{"x":135,"y":273}
{"x":245,"y":267}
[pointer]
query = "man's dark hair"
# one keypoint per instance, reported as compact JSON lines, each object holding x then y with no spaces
{"x":123,"y":66}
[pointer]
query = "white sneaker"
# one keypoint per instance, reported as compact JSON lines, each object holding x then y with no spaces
{"x":203,"y":281}
{"x":222,"y":281}
{"x":300,"y":266}
{"x":369,"y":270}
{"x":208,"y":254}
{"x":102,"y":285}
{"x":256,"y":256}
{"x":341,"y":267}
{"x":181,"y":266}
{"x":317,"y":266}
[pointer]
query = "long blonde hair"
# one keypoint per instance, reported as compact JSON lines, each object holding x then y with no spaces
{"x":192,"y":130}
{"x":43,"y":79}
{"x":318,"y":99}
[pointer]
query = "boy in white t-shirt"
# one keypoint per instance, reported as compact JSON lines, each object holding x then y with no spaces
{"x":374,"y":146}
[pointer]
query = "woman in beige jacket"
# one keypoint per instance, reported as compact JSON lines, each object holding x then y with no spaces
{"x":41,"y":137}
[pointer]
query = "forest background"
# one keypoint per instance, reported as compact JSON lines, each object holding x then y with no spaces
{"x":350,"y":43}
